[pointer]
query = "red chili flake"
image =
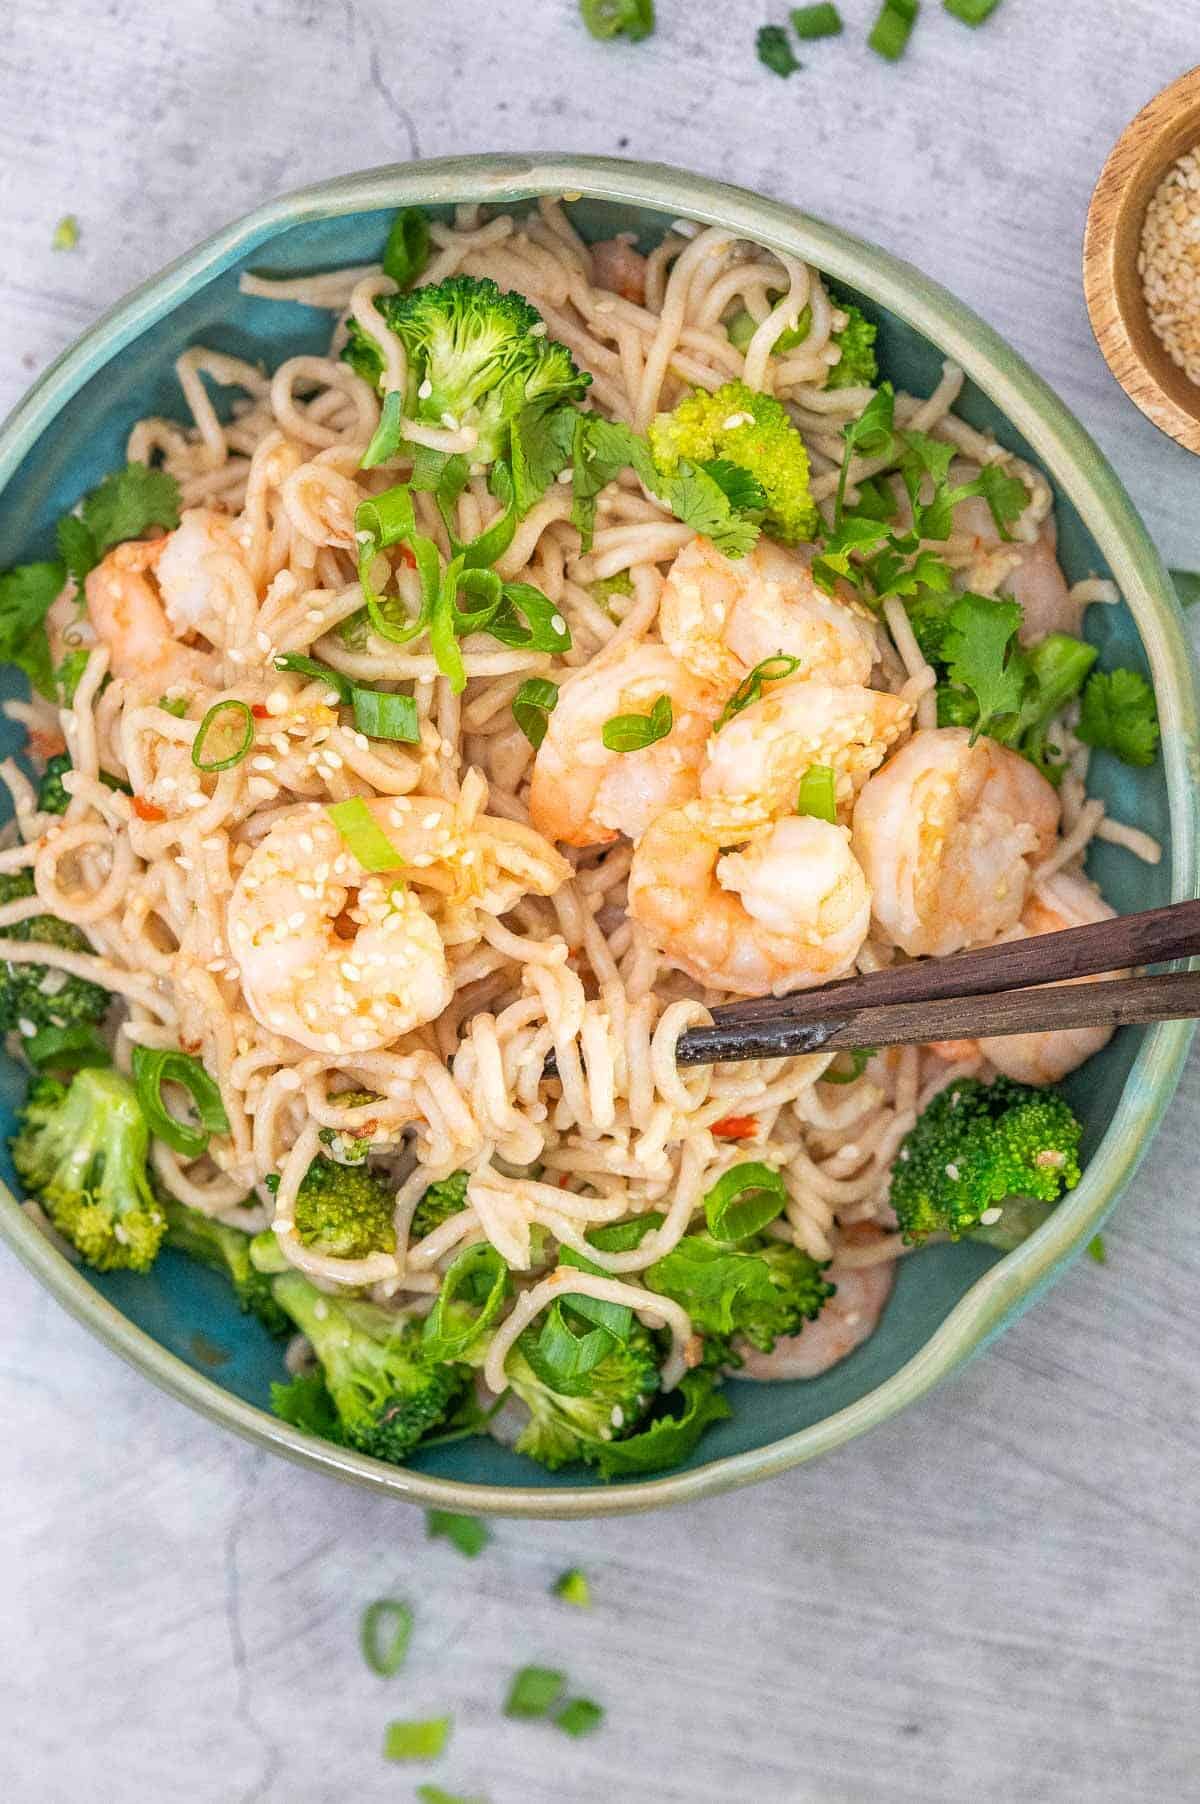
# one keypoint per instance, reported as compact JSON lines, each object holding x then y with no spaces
{"x":148,"y":811}
{"x":259,"y":711}
{"x":406,"y":556}
{"x":734,"y":1127}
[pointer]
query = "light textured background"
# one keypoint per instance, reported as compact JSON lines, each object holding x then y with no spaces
{"x":992,"y":1598}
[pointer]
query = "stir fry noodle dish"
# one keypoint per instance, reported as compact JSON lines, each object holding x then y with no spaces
{"x":421,"y":744}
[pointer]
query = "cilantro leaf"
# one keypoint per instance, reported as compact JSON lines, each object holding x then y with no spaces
{"x":1118,"y":715}
{"x":542,"y":444}
{"x":77,"y":549}
{"x":127,"y":503}
{"x":872,"y":434}
{"x":26,"y":594}
{"x":600,"y":450}
{"x":669,"y":1439}
{"x":775,"y":51}
{"x":741,"y":489}
{"x":697,"y":498}
{"x":1006,"y":495}
{"x":981,"y":656}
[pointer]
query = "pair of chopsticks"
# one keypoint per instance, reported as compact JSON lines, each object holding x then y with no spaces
{"x":974,"y":994}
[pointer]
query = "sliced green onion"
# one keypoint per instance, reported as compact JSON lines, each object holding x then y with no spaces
{"x":818,"y":792}
{"x":66,"y":233}
{"x":744,"y":1201}
{"x":433,"y":1794}
{"x":384,"y":1635}
{"x":809,"y":22}
{"x":381,"y":715}
{"x":495,"y":539}
{"x":65,"y":1049}
{"x":860,"y":1058}
{"x":363,"y":835}
{"x":544,"y":628}
{"x":741,"y":330}
{"x":388,"y":517}
{"x":478,"y":1278}
{"x":617,"y":1318}
{"x":562,"y":1359}
{"x":423,"y":1740}
{"x":230,"y":725}
{"x":295,"y":661}
{"x":572,"y":1586}
{"x":176,"y":705}
{"x":634,"y":732}
{"x":771,"y":670}
{"x":154,"y":1067}
{"x":388,"y":435}
{"x":534,"y":1691}
{"x":971,"y":12}
{"x":406,"y":251}
{"x":774,"y":50}
{"x":532,"y":706}
{"x":579,"y":1716}
{"x":1098,"y":1250}
{"x":893,"y":28}
{"x":72,"y":668}
{"x":467,"y":1533}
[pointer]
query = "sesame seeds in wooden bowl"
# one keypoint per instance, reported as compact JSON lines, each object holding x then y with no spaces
{"x":1141,"y":260}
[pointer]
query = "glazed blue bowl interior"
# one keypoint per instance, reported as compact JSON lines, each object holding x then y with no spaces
{"x":187,"y":1309}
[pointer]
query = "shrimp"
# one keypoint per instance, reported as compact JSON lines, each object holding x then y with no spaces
{"x":340,"y":960}
{"x":582,"y":793}
{"x":186,"y":575}
{"x":619,"y":267}
{"x":722,"y":616}
{"x":1029,"y":572}
{"x":1064,"y":900}
{"x":790,"y":911}
{"x":141,"y":624}
{"x":848,"y":1318}
{"x":765,"y":750}
{"x":348,"y":960}
{"x":947,"y":833}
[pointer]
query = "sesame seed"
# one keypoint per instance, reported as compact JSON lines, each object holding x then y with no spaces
{"x":989,"y":1216}
{"x":277,"y":702}
{"x":952,"y":1172}
{"x":195,"y":801}
{"x":423,"y":393}
{"x":261,"y":763}
{"x":1169,"y":263}
{"x":449,"y":422}
{"x":558,"y":623}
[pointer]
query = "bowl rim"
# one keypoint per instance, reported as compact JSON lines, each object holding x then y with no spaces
{"x":1065,"y":449}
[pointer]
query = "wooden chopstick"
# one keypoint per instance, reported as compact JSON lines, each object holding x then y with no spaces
{"x":1118,"y":1002}
{"x":974,"y":994}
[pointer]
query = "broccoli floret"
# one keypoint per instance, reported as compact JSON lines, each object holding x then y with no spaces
{"x":975,"y":1146}
{"x":52,"y":797}
{"x":225,"y":1250}
{"x":476,"y":355}
{"x":857,"y":367}
{"x":351,"y":1146}
{"x":38,"y":995}
{"x":344,"y":1210}
{"x":611,"y":1401}
{"x":442,"y":1200}
{"x":753,"y":1292}
{"x":385,"y":1394}
{"x":739,"y":426}
{"x":81,"y":1150}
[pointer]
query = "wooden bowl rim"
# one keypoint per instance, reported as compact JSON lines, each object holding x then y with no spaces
{"x":1142,"y":145}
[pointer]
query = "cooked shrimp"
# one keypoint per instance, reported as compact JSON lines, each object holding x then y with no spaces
{"x":343,"y":959}
{"x":128,"y":616}
{"x":722,"y":616}
{"x":582,"y":793}
{"x":789,"y":911}
{"x":187,"y":576}
{"x":1030,"y":573}
{"x":848,"y":1319}
{"x":619,"y":267}
{"x":334,"y":957}
{"x":947,"y":833}
{"x":763,"y":752}
{"x":1064,"y":900}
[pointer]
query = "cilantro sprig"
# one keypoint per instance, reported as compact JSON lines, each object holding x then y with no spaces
{"x":124,"y":506}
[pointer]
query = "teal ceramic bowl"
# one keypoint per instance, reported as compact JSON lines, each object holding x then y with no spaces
{"x":178,"y":1325}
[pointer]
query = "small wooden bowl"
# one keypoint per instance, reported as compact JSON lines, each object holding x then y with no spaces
{"x":1140,"y":159}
